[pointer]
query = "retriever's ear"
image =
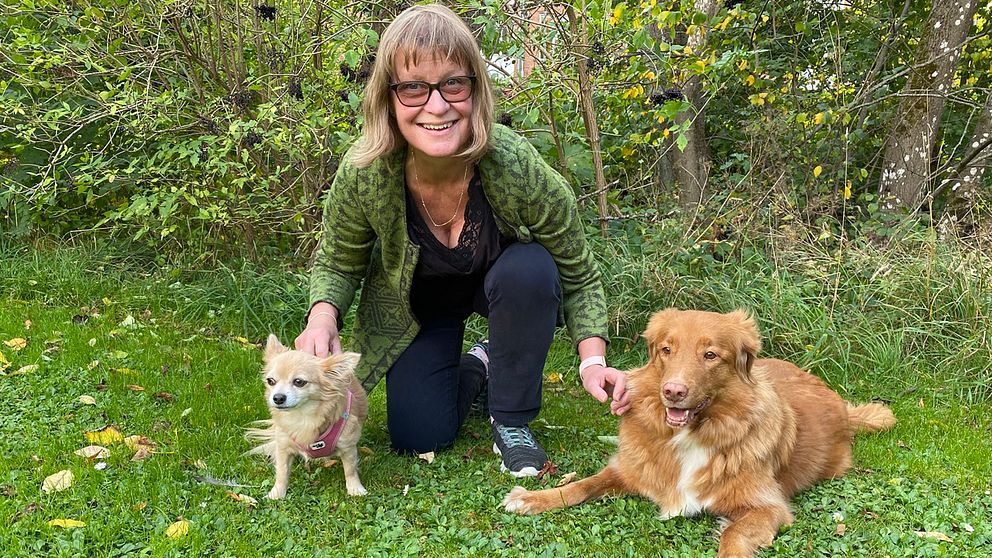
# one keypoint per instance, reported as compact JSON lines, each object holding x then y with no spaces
{"x":341,"y":363}
{"x":272,"y":348}
{"x":747,"y":342}
{"x":657,"y":328}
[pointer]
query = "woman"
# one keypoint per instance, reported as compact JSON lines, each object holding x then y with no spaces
{"x":442,"y":213}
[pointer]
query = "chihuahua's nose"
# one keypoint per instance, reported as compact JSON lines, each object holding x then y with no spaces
{"x":279,"y":398}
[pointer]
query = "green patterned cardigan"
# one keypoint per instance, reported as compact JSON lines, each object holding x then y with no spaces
{"x":365,"y":236}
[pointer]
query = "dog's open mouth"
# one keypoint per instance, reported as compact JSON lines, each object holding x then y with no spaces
{"x":678,"y":418}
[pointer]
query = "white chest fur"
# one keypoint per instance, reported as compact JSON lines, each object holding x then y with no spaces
{"x":692,"y":457}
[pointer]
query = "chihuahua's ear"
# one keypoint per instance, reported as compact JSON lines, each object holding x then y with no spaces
{"x":272,"y":348}
{"x":341,"y":363}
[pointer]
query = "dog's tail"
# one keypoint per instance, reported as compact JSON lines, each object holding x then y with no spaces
{"x":871,"y":417}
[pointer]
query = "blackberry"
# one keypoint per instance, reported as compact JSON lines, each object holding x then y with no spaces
{"x":251,"y":139}
{"x":295,"y":88}
{"x":505,"y":119}
{"x":266,"y":12}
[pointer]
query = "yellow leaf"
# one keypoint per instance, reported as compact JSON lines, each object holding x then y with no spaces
{"x":4,"y":363}
{"x":177,"y":529}
{"x":566,"y":478}
{"x":554,"y":378}
{"x":936,"y":535}
{"x":93,"y":452}
{"x":847,"y":190}
{"x":104,"y":436}
{"x":93,"y":364}
{"x":135,"y":387}
{"x":617,"y":12}
{"x":87,"y":400}
{"x":818,"y":119}
{"x":16,"y":343}
{"x":749,"y":80}
{"x":137,"y":442}
{"x":243,"y":498}
{"x":817,"y":170}
{"x":66,"y":523}
{"x":57,"y":481}
{"x":648,"y":75}
{"x":27,"y":324}
{"x":27,"y":369}
{"x":428,"y":457}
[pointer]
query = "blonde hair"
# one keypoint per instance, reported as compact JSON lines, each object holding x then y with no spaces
{"x":421,"y":31}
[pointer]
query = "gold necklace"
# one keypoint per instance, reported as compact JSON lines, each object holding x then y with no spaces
{"x":416,"y":175}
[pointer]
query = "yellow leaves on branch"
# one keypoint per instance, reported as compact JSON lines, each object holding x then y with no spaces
{"x":817,"y":171}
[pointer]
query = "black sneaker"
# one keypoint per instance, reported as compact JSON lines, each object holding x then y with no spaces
{"x":480,"y":405}
{"x":522,"y":455}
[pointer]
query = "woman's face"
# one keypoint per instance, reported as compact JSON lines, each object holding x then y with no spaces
{"x":438,"y":128}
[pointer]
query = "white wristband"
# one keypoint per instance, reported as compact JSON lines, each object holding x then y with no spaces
{"x":587,"y":362}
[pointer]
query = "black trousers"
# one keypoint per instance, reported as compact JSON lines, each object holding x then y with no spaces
{"x":430,"y":389}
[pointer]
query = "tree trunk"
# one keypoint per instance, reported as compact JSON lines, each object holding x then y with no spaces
{"x":966,"y":179}
{"x":907,"y":176}
{"x":692,"y":164}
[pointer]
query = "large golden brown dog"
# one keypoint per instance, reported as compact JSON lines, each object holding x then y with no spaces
{"x":712,"y":429}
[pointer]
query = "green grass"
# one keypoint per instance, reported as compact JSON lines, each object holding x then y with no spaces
{"x":916,"y":337}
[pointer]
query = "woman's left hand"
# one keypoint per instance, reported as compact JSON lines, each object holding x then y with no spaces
{"x":604,"y":382}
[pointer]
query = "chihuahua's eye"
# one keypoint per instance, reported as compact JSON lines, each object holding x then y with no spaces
{"x":666,"y":350}
{"x":299,"y":382}
{"x":710,"y":355}
{"x":270,"y":381}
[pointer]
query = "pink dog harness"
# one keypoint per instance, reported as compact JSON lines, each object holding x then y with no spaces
{"x":328,"y":441}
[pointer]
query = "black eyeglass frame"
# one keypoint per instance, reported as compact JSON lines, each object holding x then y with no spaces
{"x":431,"y":87}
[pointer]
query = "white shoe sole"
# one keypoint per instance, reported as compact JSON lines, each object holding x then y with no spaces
{"x":525,"y":472}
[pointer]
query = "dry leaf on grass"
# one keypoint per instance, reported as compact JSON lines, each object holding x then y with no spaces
{"x":105,"y":436}
{"x":135,"y":387}
{"x":28,"y":369}
{"x":143,"y":446}
{"x":841,"y":529}
{"x":165,"y":396}
{"x":936,"y":535}
{"x":428,"y":457}
{"x":4,"y":363}
{"x":93,"y":452}
{"x":243,"y":498}
{"x":366,"y":450}
{"x":566,"y":478}
{"x":548,"y":469}
{"x":554,"y":378}
{"x":177,"y":529}
{"x":58,"y":481}
{"x":87,"y":400}
{"x":16,"y":343}
{"x":66,"y":523}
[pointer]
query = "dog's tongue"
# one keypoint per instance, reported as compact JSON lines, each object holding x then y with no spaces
{"x":677,"y":415}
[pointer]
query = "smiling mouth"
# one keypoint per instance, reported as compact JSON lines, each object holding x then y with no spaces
{"x":678,"y":418}
{"x":437,"y":127}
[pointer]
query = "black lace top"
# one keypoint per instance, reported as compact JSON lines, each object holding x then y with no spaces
{"x":449,"y":277}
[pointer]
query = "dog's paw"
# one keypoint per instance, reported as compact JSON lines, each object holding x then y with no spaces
{"x":516,"y":501}
{"x":276,"y":494}
{"x":357,"y":490}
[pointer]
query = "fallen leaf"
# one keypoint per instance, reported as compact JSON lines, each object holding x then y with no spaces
{"x":406,"y":489}
{"x":66,"y":523}
{"x":548,"y":469}
{"x":27,"y":369}
{"x":128,"y":321}
{"x":27,"y":324}
{"x":366,"y":450}
{"x":841,"y":529}
{"x":428,"y":457}
{"x":105,"y":436}
{"x":92,"y":342}
{"x":93,"y":364}
{"x":615,"y":440}
{"x":243,"y":498}
{"x":177,"y":529}
{"x":936,"y":535}
{"x":165,"y":396}
{"x":16,"y":343}
{"x":142,"y":446}
{"x":57,"y":482}
{"x":186,"y":412}
{"x":100,"y":465}
{"x":200,"y":464}
{"x":4,"y":363}
{"x":135,"y":387}
{"x":554,"y":378}
{"x":328,"y":463}
{"x":93,"y":452}
{"x":87,"y":400}
{"x":566,"y":478}
{"x":139,"y":506}
{"x":921,"y":404}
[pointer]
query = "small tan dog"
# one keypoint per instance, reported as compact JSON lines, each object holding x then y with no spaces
{"x":712,"y":428}
{"x":318,"y":407}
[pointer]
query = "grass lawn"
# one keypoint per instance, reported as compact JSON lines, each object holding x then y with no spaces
{"x":87,"y":345}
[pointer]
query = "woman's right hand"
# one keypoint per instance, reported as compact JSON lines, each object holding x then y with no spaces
{"x":320,"y":338}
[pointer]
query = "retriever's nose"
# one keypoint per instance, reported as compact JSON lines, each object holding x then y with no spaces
{"x":279,"y":398}
{"x":675,"y":392}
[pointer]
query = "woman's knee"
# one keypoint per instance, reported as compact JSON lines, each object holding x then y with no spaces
{"x":525,"y":270}
{"x":420,"y":434}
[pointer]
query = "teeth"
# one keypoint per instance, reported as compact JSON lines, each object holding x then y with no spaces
{"x":437,"y":126}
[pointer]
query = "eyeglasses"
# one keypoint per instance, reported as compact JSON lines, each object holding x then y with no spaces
{"x":417,"y":93}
